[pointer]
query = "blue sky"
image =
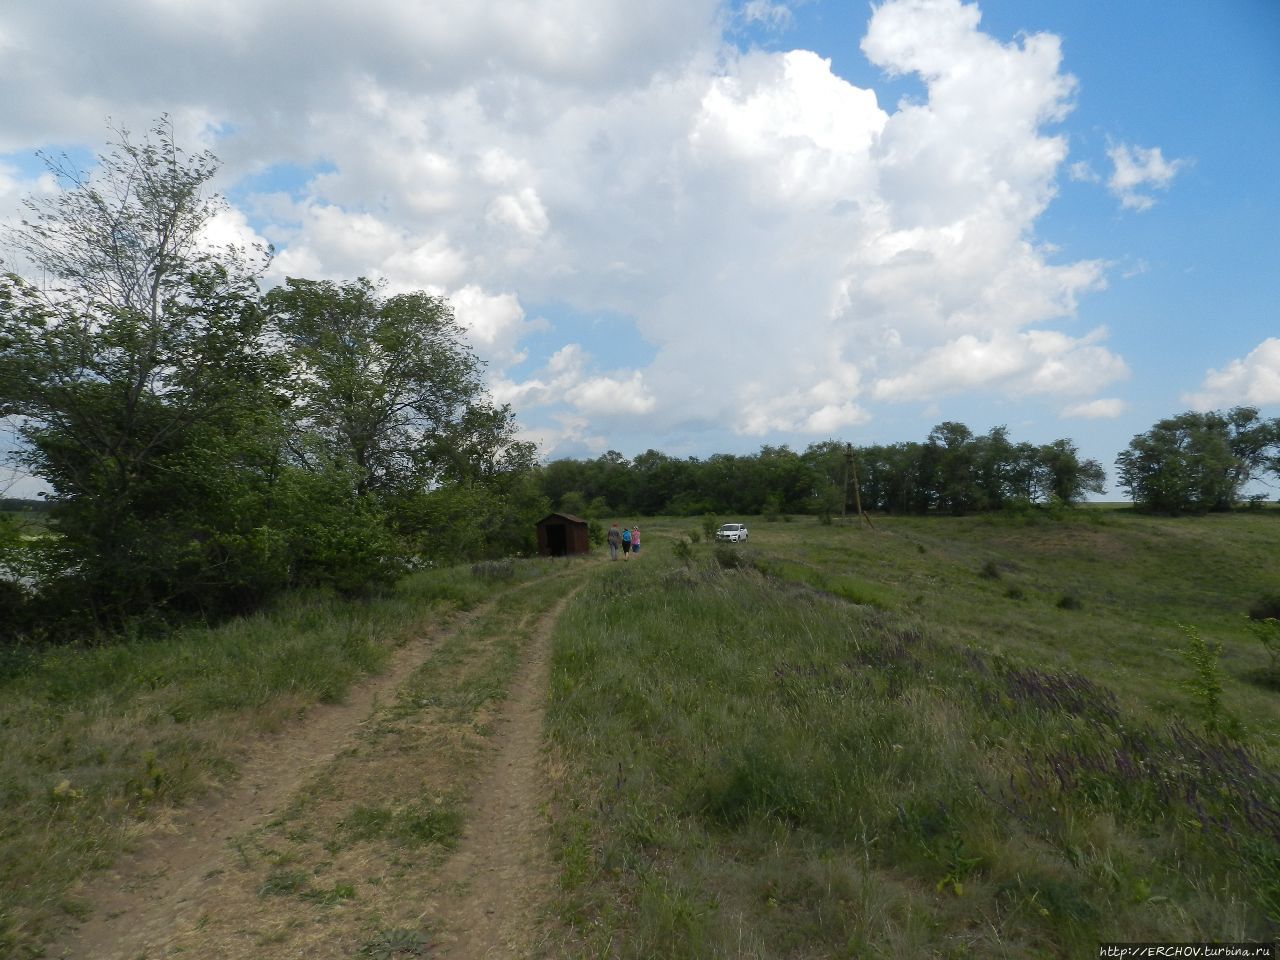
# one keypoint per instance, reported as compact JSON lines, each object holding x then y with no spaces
{"x":703,"y":226}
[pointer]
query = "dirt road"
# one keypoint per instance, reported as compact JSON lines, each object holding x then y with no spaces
{"x":412,"y":816}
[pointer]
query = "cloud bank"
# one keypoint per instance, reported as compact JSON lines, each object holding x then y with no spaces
{"x":797,"y":253}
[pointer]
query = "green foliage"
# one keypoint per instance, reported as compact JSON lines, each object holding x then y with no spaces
{"x":470,"y":521}
{"x":682,"y":550}
{"x":1205,"y":683}
{"x":1266,"y":607}
{"x":208,"y":447}
{"x":385,"y":387}
{"x":710,"y":523}
{"x":415,"y":826}
{"x":729,"y":557}
{"x":1198,"y":462}
{"x":772,"y":508}
{"x":954,"y":471}
{"x":147,"y":397}
{"x":1267,"y":632}
{"x":396,"y":943}
{"x":573,"y":503}
{"x":1069,"y":601}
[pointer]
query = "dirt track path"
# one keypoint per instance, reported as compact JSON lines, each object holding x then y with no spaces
{"x":501,"y":877}
{"x":190,"y":889}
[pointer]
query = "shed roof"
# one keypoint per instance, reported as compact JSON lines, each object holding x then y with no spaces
{"x":560,"y":516}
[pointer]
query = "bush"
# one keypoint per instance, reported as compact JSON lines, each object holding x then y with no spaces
{"x":990,"y":571}
{"x":729,"y":558}
{"x":683,"y":551}
{"x":1268,"y":634}
{"x":1205,"y":683}
{"x":709,"y":525}
{"x":1266,"y":607}
{"x":1069,"y":601}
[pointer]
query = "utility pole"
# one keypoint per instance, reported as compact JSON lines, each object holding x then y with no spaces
{"x":852,"y":468}
{"x":848,"y":463}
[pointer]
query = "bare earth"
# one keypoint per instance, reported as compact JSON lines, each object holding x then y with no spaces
{"x":194,"y":887}
{"x":500,"y":878}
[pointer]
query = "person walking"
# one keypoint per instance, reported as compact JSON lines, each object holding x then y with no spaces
{"x":635,"y":539}
{"x":626,"y":543}
{"x":614,"y":540}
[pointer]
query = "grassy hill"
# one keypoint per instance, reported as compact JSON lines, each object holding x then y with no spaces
{"x":975,"y":737}
{"x":980,"y":737}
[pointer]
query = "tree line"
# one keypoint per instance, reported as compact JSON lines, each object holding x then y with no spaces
{"x":953,"y":471}
{"x":1192,"y":463}
{"x":208,"y":445}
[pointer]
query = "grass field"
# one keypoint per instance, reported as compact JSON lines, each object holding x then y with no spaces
{"x":974,"y":737}
{"x":939,"y":738}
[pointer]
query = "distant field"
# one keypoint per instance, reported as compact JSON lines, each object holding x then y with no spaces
{"x":973,"y":737}
{"x":29,"y":522}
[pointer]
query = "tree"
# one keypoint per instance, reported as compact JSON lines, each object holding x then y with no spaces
{"x":386,"y":386}
{"x":138,"y":371}
{"x":1197,"y":462}
{"x":1061,"y":474}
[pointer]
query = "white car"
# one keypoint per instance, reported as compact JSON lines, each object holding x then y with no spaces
{"x":733,"y":532}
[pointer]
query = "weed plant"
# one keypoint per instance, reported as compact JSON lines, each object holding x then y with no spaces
{"x":761,"y":770}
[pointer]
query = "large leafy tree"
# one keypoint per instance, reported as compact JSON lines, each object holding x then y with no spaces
{"x":386,"y":388}
{"x":1198,"y":461}
{"x":136,"y":370}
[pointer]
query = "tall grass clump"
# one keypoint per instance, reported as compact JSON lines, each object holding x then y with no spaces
{"x":801,"y":776}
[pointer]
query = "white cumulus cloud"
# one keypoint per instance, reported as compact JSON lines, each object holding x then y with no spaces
{"x":1252,"y":381}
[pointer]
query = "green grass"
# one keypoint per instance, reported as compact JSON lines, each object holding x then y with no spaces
{"x":94,"y":738}
{"x":760,"y":768}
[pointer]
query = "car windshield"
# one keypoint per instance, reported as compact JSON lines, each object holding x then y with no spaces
{"x":730,"y":526}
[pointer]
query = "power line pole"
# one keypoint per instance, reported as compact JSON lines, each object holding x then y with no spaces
{"x":852,"y":468}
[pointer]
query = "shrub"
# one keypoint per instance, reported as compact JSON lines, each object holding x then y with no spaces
{"x":709,"y":524}
{"x":1069,"y":601}
{"x":683,"y":551}
{"x":1205,"y":683}
{"x":1268,"y":633}
{"x":728,"y":558}
{"x":990,"y":571}
{"x":1266,"y":607}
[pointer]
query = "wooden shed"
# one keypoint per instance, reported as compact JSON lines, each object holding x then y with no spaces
{"x":562,"y":535}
